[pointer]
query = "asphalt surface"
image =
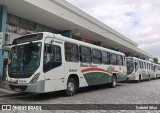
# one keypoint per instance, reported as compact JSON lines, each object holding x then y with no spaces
{"x":146,"y":92}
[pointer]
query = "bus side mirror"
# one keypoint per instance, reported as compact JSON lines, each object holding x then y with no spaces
{"x":5,"y":54}
{"x":8,"y":61}
{"x":51,"y":41}
{"x":2,"y":52}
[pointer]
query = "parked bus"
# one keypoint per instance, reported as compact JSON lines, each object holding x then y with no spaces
{"x":156,"y":70}
{"x":46,"y":62}
{"x":138,"y":69}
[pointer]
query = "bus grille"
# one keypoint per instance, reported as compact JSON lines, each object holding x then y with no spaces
{"x":22,"y":87}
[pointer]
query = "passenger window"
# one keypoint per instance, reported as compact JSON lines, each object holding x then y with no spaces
{"x":57,"y":53}
{"x":85,"y":54}
{"x":139,"y":64}
{"x":144,"y":65}
{"x":71,"y":52}
{"x":119,"y":60}
{"x":113,"y":59}
{"x":96,"y":56}
{"x":105,"y":58}
{"x":124,"y":61}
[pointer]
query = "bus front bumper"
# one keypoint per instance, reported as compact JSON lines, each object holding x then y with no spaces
{"x":131,"y":77}
{"x":37,"y":87}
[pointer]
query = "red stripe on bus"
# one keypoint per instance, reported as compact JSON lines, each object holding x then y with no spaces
{"x":94,"y":69}
{"x":99,"y":69}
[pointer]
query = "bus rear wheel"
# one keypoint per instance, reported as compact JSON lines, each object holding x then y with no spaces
{"x":149,"y":78}
{"x":71,"y":87}
{"x":114,"y":82}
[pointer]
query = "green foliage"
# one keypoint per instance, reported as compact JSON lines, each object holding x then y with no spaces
{"x":155,"y":60}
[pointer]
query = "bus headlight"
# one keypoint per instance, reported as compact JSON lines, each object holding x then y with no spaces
{"x":35,"y":78}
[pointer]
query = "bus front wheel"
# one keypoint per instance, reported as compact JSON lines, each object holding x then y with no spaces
{"x":139,"y":80}
{"x":71,"y":87}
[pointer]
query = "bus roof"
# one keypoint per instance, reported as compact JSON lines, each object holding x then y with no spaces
{"x":135,"y":58}
{"x":66,"y":39}
{"x":58,"y":36}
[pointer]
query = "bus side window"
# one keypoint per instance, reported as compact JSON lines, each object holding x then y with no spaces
{"x":105,"y":58}
{"x":96,"y":56}
{"x":136,"y":65}
{"x":85,"y":54}
{"x":57,"y":54}
{"x":113,"y":59}
{"x":119,"y":60}
{"x":144,"y":65}
{"x":124,"y":61}
{"x":71,"y":52}
{"x":140,"y":64}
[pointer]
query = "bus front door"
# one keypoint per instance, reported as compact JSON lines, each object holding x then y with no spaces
{"x":53,"y":65}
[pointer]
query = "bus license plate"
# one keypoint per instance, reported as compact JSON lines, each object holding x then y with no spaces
{"x":17,"y":90}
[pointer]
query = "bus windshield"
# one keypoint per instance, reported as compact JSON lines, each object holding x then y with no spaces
{"x":130,"y":66}
{"x":25,"y":58}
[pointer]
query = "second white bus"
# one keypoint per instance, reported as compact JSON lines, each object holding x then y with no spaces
{"x":138,"y":69}
{"x":156,"y":70}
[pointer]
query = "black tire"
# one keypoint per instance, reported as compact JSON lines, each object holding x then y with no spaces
{"x":149,"y":78}
{"x":71,"y":87}
{"x":156,"y":77}
{"x":139,"y":80}
{"x":113,"y":83}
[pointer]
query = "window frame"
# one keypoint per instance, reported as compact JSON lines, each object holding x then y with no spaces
{"x":108,"y":57}
{"x":121,"y":58}
{"x":85,"y":55}
{"x":94,"y":57}
{"x":51,"y":64}
{"x":115,"y":60}
{"x":72,"y":53}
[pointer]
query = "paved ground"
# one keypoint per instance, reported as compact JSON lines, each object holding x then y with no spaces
{"x":125,"y":93}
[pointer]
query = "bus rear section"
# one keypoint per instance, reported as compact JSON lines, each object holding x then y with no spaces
{"x":156,"y":68}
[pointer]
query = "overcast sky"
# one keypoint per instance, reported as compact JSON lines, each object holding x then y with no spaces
{"x":138,"y":20}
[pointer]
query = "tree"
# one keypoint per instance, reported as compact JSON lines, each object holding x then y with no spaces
{"x":155,"y":60}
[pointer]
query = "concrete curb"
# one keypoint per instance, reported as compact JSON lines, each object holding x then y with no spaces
{"x":4,"y":90}
{"x":7,"y":91}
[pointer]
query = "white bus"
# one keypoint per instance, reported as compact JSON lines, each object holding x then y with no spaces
{"x":138,"y":69}
{"x":47,"y":62}
{"x":156,"y":70}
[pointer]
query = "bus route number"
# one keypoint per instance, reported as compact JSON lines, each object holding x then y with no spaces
{"x":72,"y":70}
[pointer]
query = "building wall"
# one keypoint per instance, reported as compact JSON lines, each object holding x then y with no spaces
{"x":16,"y":26}
{"x":3,"y":19}
{"x":23,"y":26}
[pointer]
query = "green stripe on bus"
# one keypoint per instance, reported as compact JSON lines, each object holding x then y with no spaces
{"x":97,"y":78}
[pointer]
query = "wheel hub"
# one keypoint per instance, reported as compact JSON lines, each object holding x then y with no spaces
{"x":114,"y":82}
{"x":71,"y":87}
